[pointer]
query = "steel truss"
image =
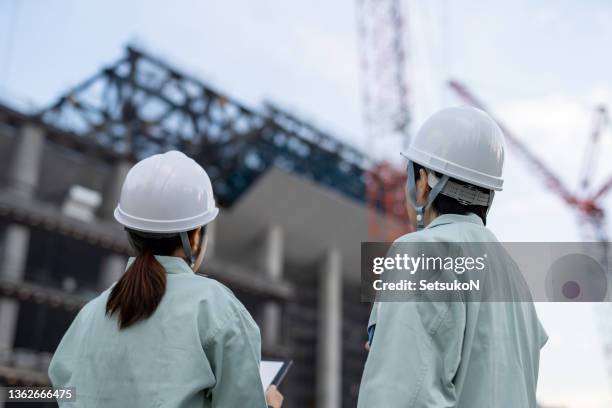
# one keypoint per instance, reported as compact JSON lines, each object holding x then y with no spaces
{"x":141,"y":105}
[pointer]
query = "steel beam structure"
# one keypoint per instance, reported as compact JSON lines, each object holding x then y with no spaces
{"x":141,"y":105}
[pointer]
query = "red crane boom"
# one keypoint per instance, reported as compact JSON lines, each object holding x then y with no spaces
{"x":587,"y":206}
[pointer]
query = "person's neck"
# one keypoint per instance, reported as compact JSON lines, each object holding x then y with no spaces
{"x":430,"y":215}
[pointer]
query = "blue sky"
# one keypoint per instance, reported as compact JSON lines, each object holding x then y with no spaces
{"x":541,"y":66}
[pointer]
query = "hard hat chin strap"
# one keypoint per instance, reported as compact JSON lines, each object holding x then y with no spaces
{"x":411,"y":186}
{"x":187,"y":248}
{"x":491,"y":195}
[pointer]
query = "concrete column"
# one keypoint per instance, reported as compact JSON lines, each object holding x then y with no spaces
{"x":14,"y":256}
{"x":272,"y":265}
{"x":329,"y":346}
{"x":23,"y":177}
{"x":113,"y":265}
{"x":24,"y":169}
{"x":272,"y":252}
{"x":112,"y":189}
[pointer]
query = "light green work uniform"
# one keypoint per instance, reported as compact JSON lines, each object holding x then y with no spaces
{"x":454,"y":354}
{"x":200,"y":348}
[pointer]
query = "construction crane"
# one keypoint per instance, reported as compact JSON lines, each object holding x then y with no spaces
{"x":585,"y":202}
{"x":386,"y":110}
{"x":589,"y":162}
{"x":382,"y":30}
{"x":587,"y":205}
{"x":382,"y":34}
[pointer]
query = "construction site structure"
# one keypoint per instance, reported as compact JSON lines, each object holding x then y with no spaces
{"x":382,"y":35}
{"x":293,"y":212}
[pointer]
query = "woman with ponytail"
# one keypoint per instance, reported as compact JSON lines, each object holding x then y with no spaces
{"x":162,"y":336}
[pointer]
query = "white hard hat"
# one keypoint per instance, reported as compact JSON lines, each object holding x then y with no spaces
{"x":461,"y":142}
{"x":166,"y":193}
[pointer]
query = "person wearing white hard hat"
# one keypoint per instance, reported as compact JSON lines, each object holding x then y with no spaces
{"x":162,"y":336}
{"x":453,"y":352}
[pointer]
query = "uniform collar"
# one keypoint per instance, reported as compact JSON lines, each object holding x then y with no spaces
{"x":172,"y":264}
{"x":454,"y":218}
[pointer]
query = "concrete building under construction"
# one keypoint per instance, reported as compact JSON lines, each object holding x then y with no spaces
{"x":286,"y":242}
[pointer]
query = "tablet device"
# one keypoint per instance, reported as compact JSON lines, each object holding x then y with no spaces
{"x":273,"y":371}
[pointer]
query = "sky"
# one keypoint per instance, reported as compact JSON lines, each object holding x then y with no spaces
{"x":540,"y":66}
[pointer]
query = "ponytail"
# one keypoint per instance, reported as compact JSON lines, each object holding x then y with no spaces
{"x":139,"y":291}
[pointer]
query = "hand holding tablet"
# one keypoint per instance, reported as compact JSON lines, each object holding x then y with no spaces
{"x":272,"y":371}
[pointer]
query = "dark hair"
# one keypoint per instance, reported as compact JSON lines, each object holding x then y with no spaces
{"x":446,"y":205}
{"x":140,"y":290}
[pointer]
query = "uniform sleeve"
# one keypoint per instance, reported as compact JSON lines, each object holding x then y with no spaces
{"x":234,"y":352}
{"x":61,"y":366}
{"x":415,"y":355}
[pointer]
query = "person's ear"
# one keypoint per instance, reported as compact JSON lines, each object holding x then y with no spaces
{"x":422,"y":186}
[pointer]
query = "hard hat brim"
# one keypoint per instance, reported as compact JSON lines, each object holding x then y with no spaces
{"x":454,"y":170}
{"x":164,"y":226}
